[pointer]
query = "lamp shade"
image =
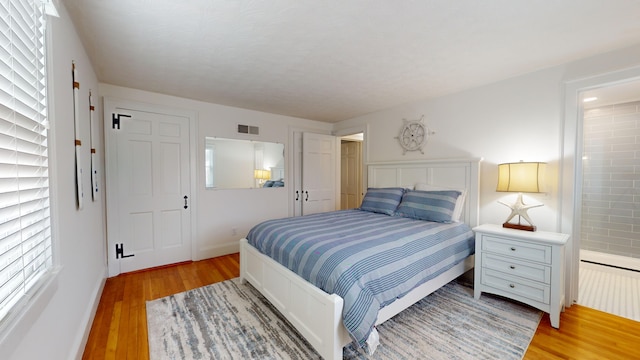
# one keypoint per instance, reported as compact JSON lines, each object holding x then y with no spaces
{"x":262,"y":174}
{"x":521,"y":177}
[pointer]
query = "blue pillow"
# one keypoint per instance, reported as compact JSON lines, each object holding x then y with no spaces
{"x":435,"y":206}
{"x":268,"y":183}
{"x":382,"y":200}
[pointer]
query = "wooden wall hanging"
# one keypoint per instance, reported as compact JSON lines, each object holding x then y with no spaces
{"x":94,"y":165}
{"x":78,"y":143}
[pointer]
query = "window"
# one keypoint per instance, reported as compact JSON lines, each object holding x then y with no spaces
{"x":25,"y":234}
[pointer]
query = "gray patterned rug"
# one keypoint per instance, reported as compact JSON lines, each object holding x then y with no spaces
{"x":230,"y":320}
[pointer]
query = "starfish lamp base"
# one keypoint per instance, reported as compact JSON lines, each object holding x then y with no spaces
{"x":519,"y":226}
{"x":520,"y":209}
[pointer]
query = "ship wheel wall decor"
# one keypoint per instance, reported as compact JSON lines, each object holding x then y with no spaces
{"x":413,"y":135}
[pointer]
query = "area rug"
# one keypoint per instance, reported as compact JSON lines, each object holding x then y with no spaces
{"x":231,"y":320}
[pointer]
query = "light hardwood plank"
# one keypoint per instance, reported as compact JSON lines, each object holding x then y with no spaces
{"x":120,"y":326}
{"x":112,"y":340}
{"x":586,"y":333}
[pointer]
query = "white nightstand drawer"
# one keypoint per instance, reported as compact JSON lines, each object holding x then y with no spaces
{"x":531,"y":271}
{"x":521,"y":250}
{"x":511,"y":284}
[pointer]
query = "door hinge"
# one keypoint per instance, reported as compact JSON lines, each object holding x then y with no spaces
{"x":120,"y":252}
{"x":115,"y":120}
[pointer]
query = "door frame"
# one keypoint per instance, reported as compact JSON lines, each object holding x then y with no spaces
{"x":110,"y":145}
{"x":570,"y":180}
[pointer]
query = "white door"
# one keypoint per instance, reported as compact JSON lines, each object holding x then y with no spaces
{"x":318,"y":173}
{"x":297,"y":173}
{"x":148,"y":186}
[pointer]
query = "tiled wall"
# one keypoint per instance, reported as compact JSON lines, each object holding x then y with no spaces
{"x":611,"y":180}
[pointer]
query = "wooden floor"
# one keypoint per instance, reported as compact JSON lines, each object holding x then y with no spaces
{"x":119,"y":329}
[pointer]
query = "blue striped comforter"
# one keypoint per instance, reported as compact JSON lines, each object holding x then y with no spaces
{"x":368,"y":259}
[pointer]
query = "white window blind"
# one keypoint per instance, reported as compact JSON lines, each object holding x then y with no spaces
{"x":25,"y":234}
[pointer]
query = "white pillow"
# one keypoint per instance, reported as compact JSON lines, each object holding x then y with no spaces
{"x":457,"y":211}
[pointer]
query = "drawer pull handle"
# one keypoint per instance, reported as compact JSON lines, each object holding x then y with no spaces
{"x":513,"y":249}
{"x":512,"y":267}
{"x":511,"y":286}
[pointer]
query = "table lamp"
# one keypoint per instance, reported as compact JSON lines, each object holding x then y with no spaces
{"x":521,"y":177}
{"x":261,"y":175}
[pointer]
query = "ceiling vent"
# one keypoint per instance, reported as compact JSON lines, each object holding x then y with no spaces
{"x":246,"y":129}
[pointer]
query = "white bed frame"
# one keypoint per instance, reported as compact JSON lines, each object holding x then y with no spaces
{"x":318,"y":315}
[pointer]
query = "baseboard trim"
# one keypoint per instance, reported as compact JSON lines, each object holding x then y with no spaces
{"x":617,"y":261}
{"x":81,"y":341}
{"x":218,"y":250}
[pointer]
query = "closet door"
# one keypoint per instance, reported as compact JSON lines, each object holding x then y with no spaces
{"x":318,"y":173}
{"x":149,"y":186}
{"x":314,"y":173}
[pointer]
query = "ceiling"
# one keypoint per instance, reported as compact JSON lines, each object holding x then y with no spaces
{"x":333,"y":60}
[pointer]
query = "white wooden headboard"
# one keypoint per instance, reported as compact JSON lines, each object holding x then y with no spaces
{"x":451,"y":173}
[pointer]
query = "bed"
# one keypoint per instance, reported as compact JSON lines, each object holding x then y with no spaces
{"x":318,"y":315}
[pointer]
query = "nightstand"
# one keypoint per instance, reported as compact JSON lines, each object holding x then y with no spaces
{"x":522,"y":265}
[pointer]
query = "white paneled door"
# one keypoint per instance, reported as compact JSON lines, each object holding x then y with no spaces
{"x":318,"y":173}
{"x":148,"y":186}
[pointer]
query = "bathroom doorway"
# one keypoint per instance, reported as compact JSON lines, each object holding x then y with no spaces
{"x":609,"y":273}
{"x":351,"y":169}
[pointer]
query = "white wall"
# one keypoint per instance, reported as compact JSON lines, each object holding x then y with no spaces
{"x":224,"y":216}
{"x":79,"y":246}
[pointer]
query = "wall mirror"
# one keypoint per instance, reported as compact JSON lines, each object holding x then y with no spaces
{"x":243,"y":164}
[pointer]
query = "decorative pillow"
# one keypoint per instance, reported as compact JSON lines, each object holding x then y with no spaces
{"x":268,"y":183}
{"x":457,"y":212}
{"x":382,"y":200}
{"x":435,"y":206}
